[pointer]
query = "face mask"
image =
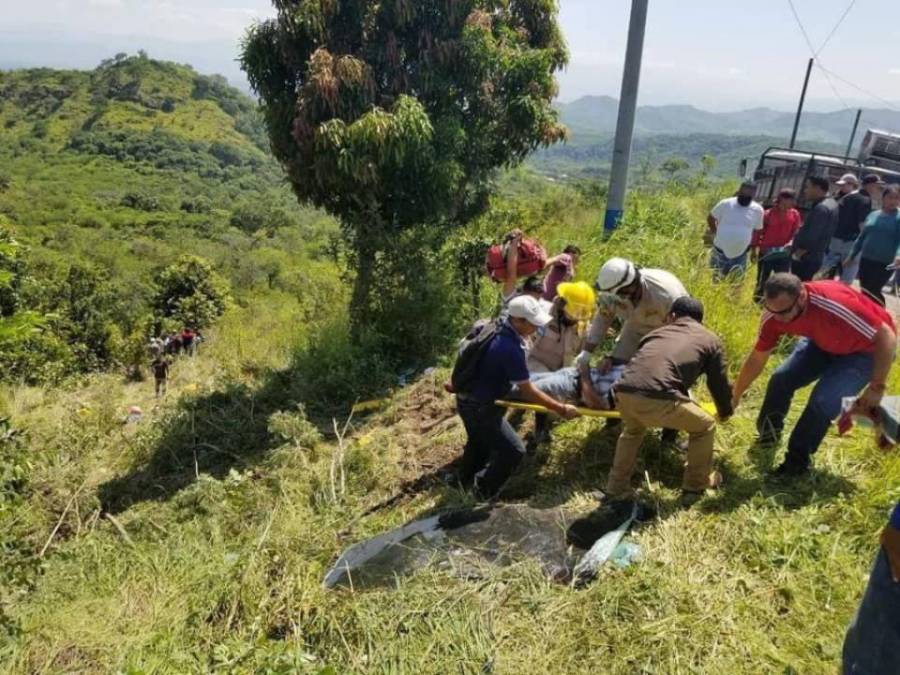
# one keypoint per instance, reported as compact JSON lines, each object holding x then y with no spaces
{"x":744,"y":200}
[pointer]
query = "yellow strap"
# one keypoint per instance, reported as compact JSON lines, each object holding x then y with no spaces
{"x":587,"y":412}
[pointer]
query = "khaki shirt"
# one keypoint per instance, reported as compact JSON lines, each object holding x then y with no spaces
{"x":555,"y":349}
{"x":661,"y":289}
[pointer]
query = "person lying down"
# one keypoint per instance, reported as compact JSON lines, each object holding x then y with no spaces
{"x":587,"y":387}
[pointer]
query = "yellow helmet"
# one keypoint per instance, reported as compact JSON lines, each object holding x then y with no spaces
{"x":580,"y":299}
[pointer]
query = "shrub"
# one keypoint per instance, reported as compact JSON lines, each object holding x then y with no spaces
{"x":190,"y":292}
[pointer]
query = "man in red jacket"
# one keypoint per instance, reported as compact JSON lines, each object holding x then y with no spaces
{"x":769,"y":246}
{"x":848,"y":342}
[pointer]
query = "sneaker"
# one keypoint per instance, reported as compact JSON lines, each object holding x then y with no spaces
{"x":788,"y":469}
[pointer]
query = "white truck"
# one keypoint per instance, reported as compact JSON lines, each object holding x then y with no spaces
{"x":780,"y":168}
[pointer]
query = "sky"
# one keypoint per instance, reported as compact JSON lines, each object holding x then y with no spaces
{"x":714,"y":54}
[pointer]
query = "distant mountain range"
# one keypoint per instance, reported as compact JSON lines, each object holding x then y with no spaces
{"x":596,"y":116}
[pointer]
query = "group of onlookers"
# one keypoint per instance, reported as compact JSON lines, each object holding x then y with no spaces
{"x":540,"y":350}
{"x":164,"y":349}
{"x":841,"y":236}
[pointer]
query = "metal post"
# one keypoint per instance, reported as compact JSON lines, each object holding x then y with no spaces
{"x":800,"y":107}
{"x":618,"y":179}
{"x":853,"y":133}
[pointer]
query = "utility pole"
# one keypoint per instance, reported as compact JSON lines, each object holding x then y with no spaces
{"x":618,"y":179}
{"x":802,"y":100}
{"x":853,"y":133}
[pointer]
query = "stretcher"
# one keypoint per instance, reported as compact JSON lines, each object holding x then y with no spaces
{"x":533,"y":407}
{"x":586,"y":412}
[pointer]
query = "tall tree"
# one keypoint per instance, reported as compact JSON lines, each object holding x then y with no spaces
{"x":394,"y":116}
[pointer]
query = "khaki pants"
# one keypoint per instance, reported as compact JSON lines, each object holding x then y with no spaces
{"x":640,"y":413}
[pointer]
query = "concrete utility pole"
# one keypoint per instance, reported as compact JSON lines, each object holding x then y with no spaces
{"x":800,"y":107}
{"x":853,"y":133}
{"x":618,"y":179}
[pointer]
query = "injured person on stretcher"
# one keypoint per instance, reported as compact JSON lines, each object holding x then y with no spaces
{"x":587,"y":386}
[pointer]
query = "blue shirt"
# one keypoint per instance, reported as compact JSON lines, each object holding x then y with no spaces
{"x":880,"y":237}
{"x":502,"y":365}
{"x":895,"y":517}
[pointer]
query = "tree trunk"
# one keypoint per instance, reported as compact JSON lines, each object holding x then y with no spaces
{"x":360,"y":302}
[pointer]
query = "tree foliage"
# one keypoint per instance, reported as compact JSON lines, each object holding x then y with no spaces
{"x":394,"y":115}
{"x":190,"y":293}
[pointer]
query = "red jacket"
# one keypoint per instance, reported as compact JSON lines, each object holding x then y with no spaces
{"x":779,"y":228}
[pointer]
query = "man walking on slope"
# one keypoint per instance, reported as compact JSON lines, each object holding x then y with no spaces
{"x":493,"y":450}
{"x":654,"y":392}
{"x":811,"y":242}
{"x":734,"y":221}
{"x":848,"y":340}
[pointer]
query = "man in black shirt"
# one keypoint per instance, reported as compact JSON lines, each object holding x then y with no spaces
{"x":814,"y":236}
{"x":854,"y":206}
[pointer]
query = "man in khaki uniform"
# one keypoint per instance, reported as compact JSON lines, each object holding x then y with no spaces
{"x":654,"y":392}
{"x":639,"y":298}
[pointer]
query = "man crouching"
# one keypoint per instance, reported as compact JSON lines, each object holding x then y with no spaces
{"x":654,"y":392}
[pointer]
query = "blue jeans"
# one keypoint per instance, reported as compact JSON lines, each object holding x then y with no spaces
{"x":493,"y":450}
{"x":872,"y":645}
{"x":837,"y":252}
{"x":723,"y":265}
{"x":838,"y":377}
{"x":561,"y":384}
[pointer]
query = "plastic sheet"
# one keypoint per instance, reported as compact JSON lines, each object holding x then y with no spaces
{"x":469,"y":544}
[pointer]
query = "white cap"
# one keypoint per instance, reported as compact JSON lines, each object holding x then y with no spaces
{"x":616,"y":273}
{"x":526,"y":307}
{"x":848,"y":178}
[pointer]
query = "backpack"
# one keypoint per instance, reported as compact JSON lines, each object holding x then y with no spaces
{"x":532,"y":258}
{"x":473,"y":347}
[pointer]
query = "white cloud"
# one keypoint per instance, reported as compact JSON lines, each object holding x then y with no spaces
{"x":894,"y":71}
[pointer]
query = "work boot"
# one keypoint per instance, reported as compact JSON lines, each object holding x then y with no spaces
{"x":790,"y":469}
{"x":691,"y":497}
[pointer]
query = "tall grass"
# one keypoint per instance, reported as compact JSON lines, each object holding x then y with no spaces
{"x":223,"y":574}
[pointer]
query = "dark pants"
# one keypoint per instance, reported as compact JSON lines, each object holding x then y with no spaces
{"x":872,"y":645}
{"x":838,"y":377}
{"x":807,"y":266}
{"x":873,"y":275}
{"x":493,"y":450}
{"x":765,"y":269}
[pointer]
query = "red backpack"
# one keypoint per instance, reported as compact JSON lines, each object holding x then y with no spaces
{"x":532,"y":258}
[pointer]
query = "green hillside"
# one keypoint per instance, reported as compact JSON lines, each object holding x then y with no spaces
{"x":122,"y":170}
{"x":194,"y":537}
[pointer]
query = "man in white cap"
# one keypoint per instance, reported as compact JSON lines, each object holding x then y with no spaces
{"x":493,"y":450}
{"x":854,"y":206}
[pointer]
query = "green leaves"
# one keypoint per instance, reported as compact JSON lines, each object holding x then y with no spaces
{"x":393,"y":115}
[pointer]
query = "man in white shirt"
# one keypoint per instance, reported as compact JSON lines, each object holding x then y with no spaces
{"x":733,"y":222}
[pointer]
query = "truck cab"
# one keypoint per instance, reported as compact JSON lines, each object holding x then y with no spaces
{"x":780,"y":168}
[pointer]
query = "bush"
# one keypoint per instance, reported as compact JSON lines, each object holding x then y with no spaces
{"x":190,"y":292}
{"x":141,"y":201}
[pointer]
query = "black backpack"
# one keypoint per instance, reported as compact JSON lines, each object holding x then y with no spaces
{"x":473,"y":346}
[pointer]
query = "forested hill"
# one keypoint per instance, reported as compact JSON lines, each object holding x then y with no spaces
{"x":112,"y":174}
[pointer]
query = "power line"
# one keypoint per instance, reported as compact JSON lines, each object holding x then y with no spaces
{"x":831,"y":84}
{"x":859,"y":89}
{"x":836,"y":26}
{"x":812,"y":50}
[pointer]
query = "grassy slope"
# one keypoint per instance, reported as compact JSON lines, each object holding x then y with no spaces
{"x":230,"y":528}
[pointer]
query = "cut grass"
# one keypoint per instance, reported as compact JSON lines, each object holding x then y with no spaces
{"x":224,"y":574}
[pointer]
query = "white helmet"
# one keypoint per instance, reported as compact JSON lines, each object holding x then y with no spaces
{"x":616,"y":273}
